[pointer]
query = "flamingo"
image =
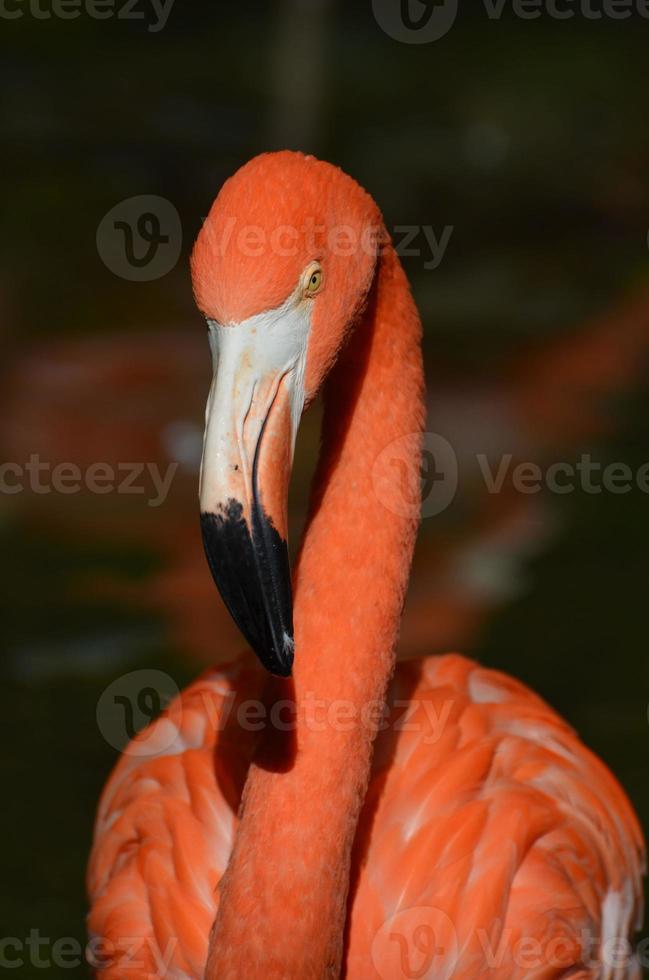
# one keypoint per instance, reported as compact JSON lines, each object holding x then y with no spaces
{"x":550,"y":396}
{"x":314,"y":812}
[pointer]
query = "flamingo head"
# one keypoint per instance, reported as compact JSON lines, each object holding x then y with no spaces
{"x":282,"y":266}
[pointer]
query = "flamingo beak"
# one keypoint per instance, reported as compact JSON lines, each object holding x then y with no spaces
{"x":252,"y":414}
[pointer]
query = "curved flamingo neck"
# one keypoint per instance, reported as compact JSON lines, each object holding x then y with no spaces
{"x":283,"y":897}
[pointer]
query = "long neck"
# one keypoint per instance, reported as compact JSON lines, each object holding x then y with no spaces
{"x":283,"y":897}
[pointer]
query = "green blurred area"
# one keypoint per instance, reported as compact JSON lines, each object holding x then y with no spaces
{"x":530,"y":139}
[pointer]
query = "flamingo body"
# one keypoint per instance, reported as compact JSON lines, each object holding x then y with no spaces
{"x":484,"y":811}
{"x":465,"y":833}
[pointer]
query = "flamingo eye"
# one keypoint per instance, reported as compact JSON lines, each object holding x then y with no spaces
{"x":313,"y":281}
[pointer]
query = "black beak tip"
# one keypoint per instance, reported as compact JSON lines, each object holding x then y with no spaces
{"x":251,"y":571}
{"x":279,"y":664}
{"x":282,"y":670}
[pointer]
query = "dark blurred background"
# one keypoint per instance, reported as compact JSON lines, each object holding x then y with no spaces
{"x":523,"y":142}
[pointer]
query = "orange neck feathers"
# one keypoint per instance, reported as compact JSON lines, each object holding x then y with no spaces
{"x":283,"y":897}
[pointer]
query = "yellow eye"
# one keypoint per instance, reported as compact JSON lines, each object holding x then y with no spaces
{"x":314,"y":282}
